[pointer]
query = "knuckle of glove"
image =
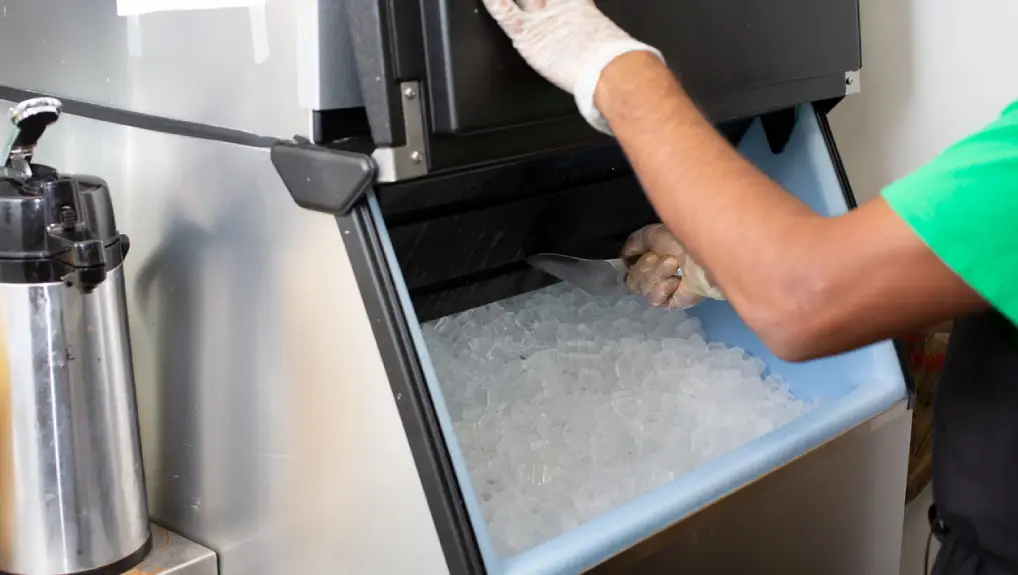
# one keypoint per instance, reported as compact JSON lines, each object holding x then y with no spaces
{"x":666,"y":267}
{"x":662,"y":241}
{"x":682,"y":299}
{"x":662,"y":292}
{"x":508,"y":15}
{"x":636,"y":243}
{"x":646,"y":272}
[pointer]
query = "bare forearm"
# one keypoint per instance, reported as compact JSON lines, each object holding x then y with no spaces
{"x":734,"y":220}
{"x":808,"y":285}
{"x":695,"y":179}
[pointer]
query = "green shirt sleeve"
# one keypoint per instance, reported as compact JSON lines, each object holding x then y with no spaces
{"x":964,"y":206}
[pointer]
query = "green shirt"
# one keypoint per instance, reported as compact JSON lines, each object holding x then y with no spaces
{"x":964,"y":206}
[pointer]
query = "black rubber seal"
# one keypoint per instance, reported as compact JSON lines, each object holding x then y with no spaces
{"x":409,"y":389}
{"x":117,"y":567}
{"x":832,"y":151}
{"x":821,"y":110}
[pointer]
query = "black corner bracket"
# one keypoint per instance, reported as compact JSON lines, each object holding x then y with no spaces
{"x":778,"y":126}
{"x":824,"y":107}
{"x":323,"y":179}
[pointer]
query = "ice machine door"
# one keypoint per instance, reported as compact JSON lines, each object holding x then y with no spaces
{"x":737,"y":58}
{"x":444,"y":88}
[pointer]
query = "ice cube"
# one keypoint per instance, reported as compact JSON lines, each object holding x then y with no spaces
{"x":445,"y":326}
{"x":625,"y":403}
{"x":566,"y":405}
{"x":689,"y":327}
{"x":589,"y":311}
{"x":526,"y":319}
{"x":626,"y":368}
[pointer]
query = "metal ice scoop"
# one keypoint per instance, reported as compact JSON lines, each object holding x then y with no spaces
{"x":596,"y":277}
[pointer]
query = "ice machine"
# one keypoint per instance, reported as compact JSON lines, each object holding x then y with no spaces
{"x":323,"y":194}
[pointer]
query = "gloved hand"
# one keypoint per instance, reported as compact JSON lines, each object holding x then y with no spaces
{"x":569,"y":42}
{"x":660,"y":255}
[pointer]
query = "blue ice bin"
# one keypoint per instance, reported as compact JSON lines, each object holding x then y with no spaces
{"x":852,"y":388}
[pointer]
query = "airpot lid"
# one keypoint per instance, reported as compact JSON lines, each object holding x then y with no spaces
{"x":46,"y":215}
{"x":53,"y":227}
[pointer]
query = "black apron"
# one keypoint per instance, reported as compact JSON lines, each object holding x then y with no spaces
{"x":975,"y":450}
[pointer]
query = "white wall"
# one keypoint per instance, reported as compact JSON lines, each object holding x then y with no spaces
{"x":933,"y":71}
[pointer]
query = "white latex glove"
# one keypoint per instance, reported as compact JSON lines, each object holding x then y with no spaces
{"x":569,"y":42}
{"x":653,"y":275}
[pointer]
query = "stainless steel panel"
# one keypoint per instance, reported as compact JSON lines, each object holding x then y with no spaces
{"x":72,"y":492}
{"x":174,"y":555}
{"x":838,"y":510}
{"x":259,"y":69}
{"x":269,"y":430}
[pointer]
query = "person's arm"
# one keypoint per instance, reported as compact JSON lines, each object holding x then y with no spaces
{"x":807,"y":285}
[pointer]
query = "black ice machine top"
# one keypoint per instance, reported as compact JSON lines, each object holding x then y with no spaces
{"x":444,"y":88}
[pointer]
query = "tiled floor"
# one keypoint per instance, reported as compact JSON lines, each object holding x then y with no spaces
{"x":915,"y":532}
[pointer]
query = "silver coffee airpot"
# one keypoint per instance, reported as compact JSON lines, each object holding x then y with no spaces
{"x":72,"y":489}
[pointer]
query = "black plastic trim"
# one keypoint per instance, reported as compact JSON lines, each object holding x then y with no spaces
{"x":824,"y":107}
{"x":770,"y":98}
{"x":821,"y":109}
{"x":832,"y":150}
{"x":402,"y":366}
{"x":438,"y":57}
{"x":370,"y":36}
{"x":331,"y":125}
{"x":515,"y":142}
{"x":117,"y":567}
{"x":502,"y":182}
{"x":407,"y":39}
{"x":323,"y":179}
{"x":144,"y":121}
{"x":736,"y":130}
{"x":778,"y":127}
{"x":54,"y":270}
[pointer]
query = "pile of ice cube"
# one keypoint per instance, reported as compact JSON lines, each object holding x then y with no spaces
{"x":567,"y":405}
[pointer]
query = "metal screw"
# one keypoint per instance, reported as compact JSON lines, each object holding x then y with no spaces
{"x":416,"y":157}
{"x":849,"y":81}
{"x":410,"y":93}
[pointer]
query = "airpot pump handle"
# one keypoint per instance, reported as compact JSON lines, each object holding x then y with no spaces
{"x":70,"y":238}
{"x":30,"y":119}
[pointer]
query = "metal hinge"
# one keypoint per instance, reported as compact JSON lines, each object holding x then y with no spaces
{"x":410,"y":160}
{"x":852,"y":82}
